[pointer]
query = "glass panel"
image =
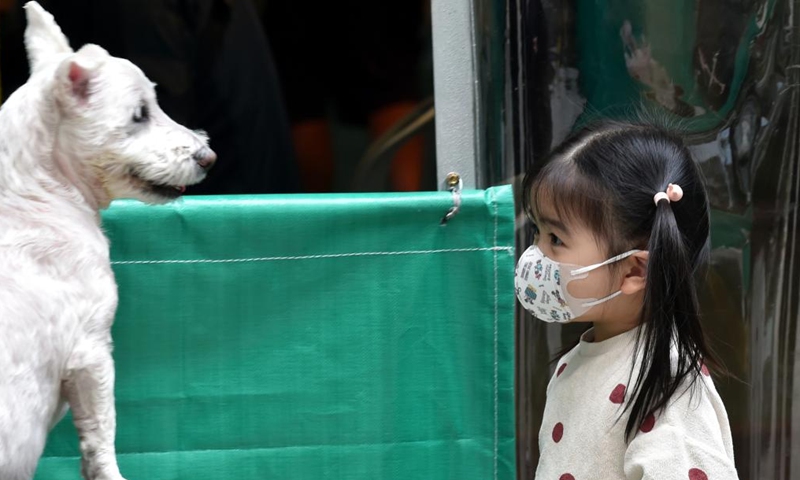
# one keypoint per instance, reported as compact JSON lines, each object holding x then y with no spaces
{"x":726,"y":71}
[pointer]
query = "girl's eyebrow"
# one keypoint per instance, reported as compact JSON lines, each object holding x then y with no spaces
{"x":554,"y":223}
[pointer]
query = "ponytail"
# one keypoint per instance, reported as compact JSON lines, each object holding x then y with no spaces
{"x":671,"y":319}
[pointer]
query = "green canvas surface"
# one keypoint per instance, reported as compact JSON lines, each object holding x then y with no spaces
{"x":309,"y":337}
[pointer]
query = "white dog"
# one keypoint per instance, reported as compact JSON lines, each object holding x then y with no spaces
{"x":84,"y":130}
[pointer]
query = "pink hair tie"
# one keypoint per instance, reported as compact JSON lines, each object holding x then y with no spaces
{"x":673,"y":194}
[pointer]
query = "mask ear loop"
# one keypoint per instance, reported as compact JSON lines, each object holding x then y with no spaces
{"x":622,"y":256}
{"x":602,"y":300}
{"x":585,"y":270}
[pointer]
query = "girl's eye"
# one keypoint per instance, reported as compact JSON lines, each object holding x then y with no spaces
{"x":555,"y":241}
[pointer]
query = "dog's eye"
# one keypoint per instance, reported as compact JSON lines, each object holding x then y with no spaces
{"x":141,"y":114}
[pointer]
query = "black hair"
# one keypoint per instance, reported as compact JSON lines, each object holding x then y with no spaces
{"x":606,"y":176}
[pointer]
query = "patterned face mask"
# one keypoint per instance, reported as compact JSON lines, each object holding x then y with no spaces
{"x":541,"y":285}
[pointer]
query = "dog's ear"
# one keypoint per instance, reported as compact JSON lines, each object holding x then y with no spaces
{"x":77,"y":72}
{"x":43,"y":37}
{"x":78,"y":76}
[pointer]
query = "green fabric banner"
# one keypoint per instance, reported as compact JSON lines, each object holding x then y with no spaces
{"x":310,"y":337}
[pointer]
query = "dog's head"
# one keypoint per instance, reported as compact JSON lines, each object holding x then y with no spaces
{"x":110,"y":127}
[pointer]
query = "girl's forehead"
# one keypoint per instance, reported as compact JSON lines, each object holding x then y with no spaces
{"x":561,"y":197}
{"x":545,"y":210}
{"x":543,"y":207}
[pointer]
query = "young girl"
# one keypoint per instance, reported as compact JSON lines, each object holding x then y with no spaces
{"x":622,"y":226}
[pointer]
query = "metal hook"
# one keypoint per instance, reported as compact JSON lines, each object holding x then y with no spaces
{"x":454,"y":184}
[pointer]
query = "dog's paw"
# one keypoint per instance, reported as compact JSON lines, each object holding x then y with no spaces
{"x":103,"y":476}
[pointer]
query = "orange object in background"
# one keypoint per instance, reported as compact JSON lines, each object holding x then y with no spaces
{"x":356,"y":64}
{"x":407,"y":164}
{"x":314,"y":152}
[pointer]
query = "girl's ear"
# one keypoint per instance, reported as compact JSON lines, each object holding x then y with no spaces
{"x":635,"y":278}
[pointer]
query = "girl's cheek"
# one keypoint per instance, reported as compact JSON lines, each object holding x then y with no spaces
{"x":547,"y":249}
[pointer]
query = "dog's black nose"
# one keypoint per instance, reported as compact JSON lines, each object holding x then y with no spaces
{"x":205,"y":157}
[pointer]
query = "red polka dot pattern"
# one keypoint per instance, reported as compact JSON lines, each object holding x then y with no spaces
{"x":566,"y":476}
{"x":618,"y":394}
{"x":648,"y":424}
{"x":697,"y":474}
{"x":558,"y":432}
{"x":561,"y":369}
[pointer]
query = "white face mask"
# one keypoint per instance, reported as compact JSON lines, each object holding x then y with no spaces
{"x":541,"y":285}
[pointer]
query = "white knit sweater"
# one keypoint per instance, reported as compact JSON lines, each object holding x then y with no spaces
{"x":583,"y":433}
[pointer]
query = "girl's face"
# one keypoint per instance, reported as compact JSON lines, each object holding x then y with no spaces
{"x":574,"y":243}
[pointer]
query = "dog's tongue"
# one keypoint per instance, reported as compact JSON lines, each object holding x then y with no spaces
{"x":181,"y":189}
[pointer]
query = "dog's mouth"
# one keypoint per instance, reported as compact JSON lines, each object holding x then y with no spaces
{"x":160,"y":189}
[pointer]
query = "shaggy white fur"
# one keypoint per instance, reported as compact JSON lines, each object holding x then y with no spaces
{"x":84,"y":130}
